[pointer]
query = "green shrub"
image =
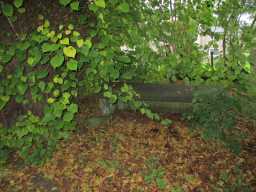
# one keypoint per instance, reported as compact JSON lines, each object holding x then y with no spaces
{"x":246,"y":93}
{"x":215,"y":112}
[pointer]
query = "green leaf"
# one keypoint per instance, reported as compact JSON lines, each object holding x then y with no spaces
{"x":71,"y":27}
{"x":7,"y":9}
{"x":22,"y":88}
{"x":110,"y":96}
{"x":66,"y":97}
{"x":68,"y":116}
{"x":58,"y":109}
{"x":7,"y":56}
{"x":64,"y":41}
{"x":69,"y":51}
{"x":57,"y":60}
{"x":76,"y":34}
{"x":18,"y":3}
{"x":46,"y":23}
{"x":34,"y":56}
{"x":161,"y":183}
{"x":73,"y":108}
{"x":39,"y":38}
{"x":23,"y":46}
{"x":80,"y":43}
{"x":124,"y":7}
{"x":49,"y":87}
{"x":42,"y":85}
{"x":64,"y":2}
{"x":59,"y":36}
{"x":124,"y":59}
{"x":100,"y":3}
{"x":75,"y":6}
{"x":84,"y":51}
{"x":56,"y":93}
{"x":42,"y":74}
{"x":166,"y":122}
{"x":50,"y":100}
{"x":88,"y":43}
{"x":58,"y":79}
{"x":72,"y":65}
{"x":48,"y":47}
{"x":3,"y":101}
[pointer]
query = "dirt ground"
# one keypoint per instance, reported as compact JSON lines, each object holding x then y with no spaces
{"x":128,"y":152}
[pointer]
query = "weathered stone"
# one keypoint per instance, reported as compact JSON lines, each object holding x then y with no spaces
{"x":96,"y":121}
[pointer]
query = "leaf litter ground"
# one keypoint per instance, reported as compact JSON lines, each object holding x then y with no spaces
{"x":129,"y":153}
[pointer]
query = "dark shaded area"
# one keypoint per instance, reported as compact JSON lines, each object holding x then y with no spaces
{"x":28,"y":22}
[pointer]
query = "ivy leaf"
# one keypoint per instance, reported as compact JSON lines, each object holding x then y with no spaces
{"x":74,"y":6}
{"x":58,"y":109}
{"x":73,"y":108}
{"x":64,"y":41}
{"x":42,"y":85}
{"x":80,"y":43}
{"x":18,"y":3}
{"x":7,"y":9}
{"x":23,"y":46}
{"x":57,"y":60}
{"x":7,"y":56}
{"x":71,"y":27}
{"x":69,"y":51}
{"x":72,"y":65}
{"x":76,"y":34}
{"x":124,"y":7}
{"x":46,"y":24}
{"x":22,"y":88}
{"x":3,"y":101}
{"x":49,"y":87}
{"x":66,"y":97}
{"x":110,"y":96}
{"x":64,"y":2}
{"x":68,"y":116}
{"x":100,"y":3}
{"x":50,"y":100}
{"x":58,"y":79}
{"x":42,"y":74}
{"x":88,"y":43}
{"x":56,"y":93}
{"x":35,"y":56}
{"x":47,"y":47}
{"x":48,"y":117}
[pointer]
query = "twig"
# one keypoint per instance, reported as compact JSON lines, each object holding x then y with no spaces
{"x":10,"y":23}
{"x":13,"y":29}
